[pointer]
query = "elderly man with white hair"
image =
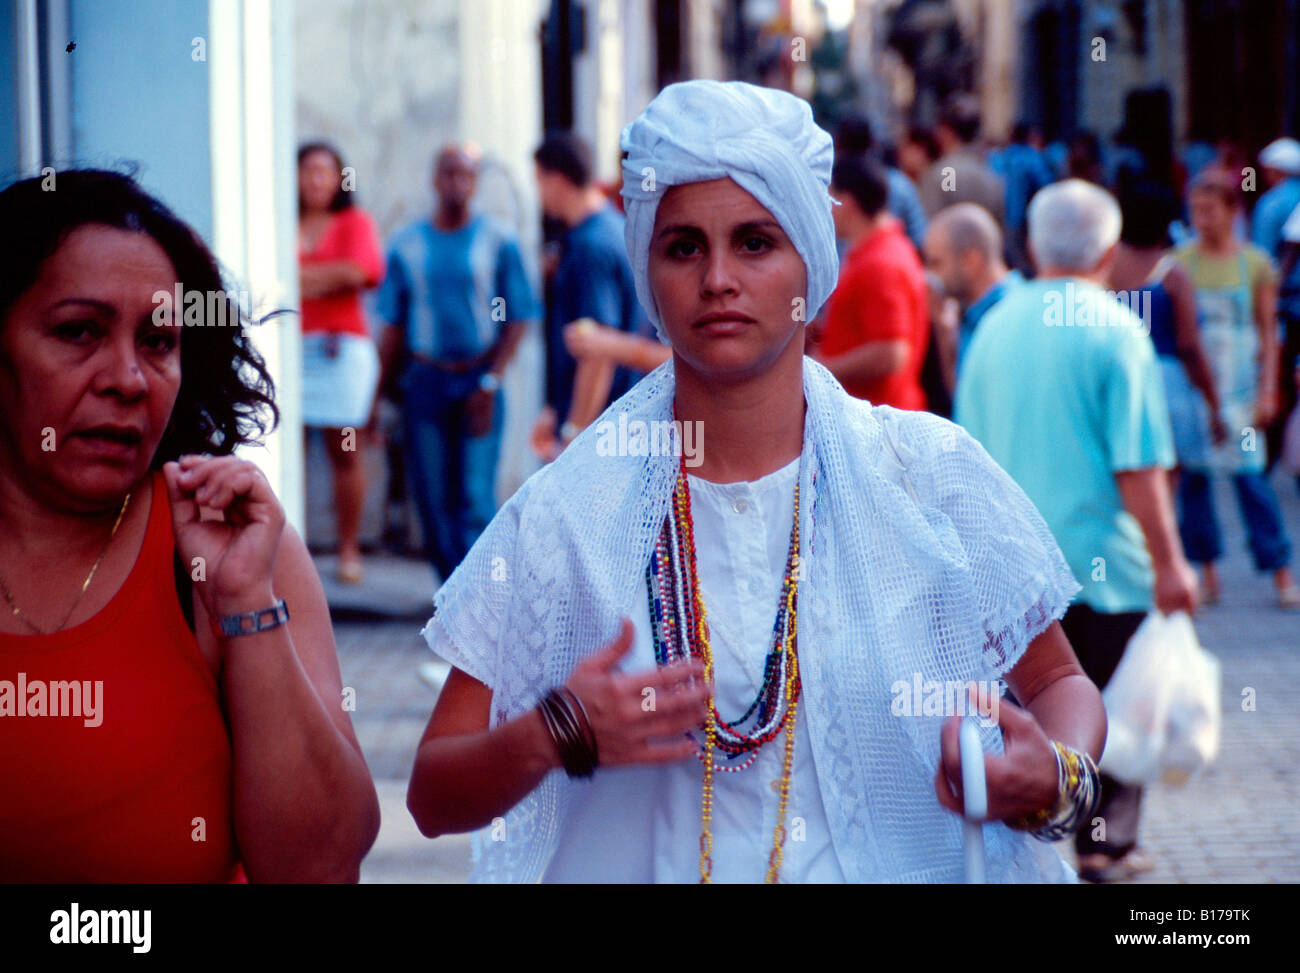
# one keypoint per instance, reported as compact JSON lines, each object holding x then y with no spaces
{"x":1061,"y":385}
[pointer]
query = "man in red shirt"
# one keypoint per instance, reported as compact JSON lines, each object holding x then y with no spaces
{"x":877,"y":321}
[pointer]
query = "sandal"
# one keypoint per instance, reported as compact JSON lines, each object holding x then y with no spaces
{"x":350,"y":572}
{"x":1288,"y":599}
{"x":1133,"y":863}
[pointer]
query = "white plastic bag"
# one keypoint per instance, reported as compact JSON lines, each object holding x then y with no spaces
{"x":1162,"y":705}
{"x":1195,"y":717}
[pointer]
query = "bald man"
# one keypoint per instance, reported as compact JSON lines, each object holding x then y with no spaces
{"x":455,"y":301}
{"x":963,"y":248}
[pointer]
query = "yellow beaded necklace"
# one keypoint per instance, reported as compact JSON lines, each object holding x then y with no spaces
{"x":710,"y":727}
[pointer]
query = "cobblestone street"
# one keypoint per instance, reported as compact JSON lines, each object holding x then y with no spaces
{"x":1235,"y":823}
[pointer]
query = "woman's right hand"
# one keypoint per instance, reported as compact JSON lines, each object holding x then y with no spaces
{"x":1266,"y":407}
{"x":469,"y":772}
{"x":639,"y":718}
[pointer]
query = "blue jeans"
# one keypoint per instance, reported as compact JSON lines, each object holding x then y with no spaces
{"x":453,"y":474}
{"x":1199,"y":526}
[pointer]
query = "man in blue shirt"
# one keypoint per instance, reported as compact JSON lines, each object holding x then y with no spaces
{"x":1024,"y":171}
{"x":593,"y":282}
{"x":1280,"y":162}
{"x":963,"y":248}
{"x":455,"y":301}
{"x":1062,"y":387}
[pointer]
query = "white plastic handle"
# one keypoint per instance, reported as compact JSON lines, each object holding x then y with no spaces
{"x":976,"y":799}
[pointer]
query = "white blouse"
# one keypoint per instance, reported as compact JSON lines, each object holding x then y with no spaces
{"x":642,"y":824}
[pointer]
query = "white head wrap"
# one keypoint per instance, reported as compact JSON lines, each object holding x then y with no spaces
{"x":765,"y":140}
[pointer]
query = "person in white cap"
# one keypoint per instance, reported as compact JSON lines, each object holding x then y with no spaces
{"x":1280,"y":162}
{"x":615,"y":622}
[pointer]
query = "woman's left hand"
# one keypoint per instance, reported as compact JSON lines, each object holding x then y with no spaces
{"x":1020,"y":781}
{"x":237,"y":552}
{"x":1266,"y":407}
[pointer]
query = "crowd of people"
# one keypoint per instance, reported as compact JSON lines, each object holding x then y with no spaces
{"x":932,"y":234}
{"x":1092,"y":315}
{"x":1220,"y":308}
{"x":963,"y":412}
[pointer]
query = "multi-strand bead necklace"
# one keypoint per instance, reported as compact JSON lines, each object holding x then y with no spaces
{"x":681,"y":631}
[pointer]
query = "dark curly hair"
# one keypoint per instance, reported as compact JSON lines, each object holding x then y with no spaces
{"x":343,"y":198}
{"x":226,"y":397}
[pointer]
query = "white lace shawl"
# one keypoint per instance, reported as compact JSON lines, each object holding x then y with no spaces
{"x":921,"y":556}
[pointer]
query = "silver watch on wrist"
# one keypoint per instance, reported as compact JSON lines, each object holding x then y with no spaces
{"x":250,"y":623}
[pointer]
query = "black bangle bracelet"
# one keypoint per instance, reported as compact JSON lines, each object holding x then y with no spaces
{"x":557,"y":737}
{"x":583,"y":742}
{"x":580,"y":740}
{"x":588,"y":733}
{"x":573,"y":737}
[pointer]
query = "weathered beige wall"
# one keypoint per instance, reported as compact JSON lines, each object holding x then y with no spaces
{"x":381,"y":79}
{"x":391,"y":81}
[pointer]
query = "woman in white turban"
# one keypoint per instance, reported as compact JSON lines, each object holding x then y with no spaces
{"x":728,"y":635}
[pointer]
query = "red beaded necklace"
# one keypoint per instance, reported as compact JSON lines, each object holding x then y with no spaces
{"x":680,"y":629}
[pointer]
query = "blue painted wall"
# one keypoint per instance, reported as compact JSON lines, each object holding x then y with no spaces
{"x":139,"y":96}
{"x":8,"y":95}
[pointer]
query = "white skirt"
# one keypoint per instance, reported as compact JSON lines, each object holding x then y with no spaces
{"x":338,"y":392}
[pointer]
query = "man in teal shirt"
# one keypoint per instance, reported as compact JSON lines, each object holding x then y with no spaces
{"x":1061,"y":386}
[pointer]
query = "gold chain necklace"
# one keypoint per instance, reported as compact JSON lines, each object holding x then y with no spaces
{"x":18,"y":612}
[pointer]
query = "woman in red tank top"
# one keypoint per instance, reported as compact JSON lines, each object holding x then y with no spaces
{"x":169,"y":691}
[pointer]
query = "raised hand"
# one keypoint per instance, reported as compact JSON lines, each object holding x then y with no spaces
{"x":238,"y":548}
{"x":633,"y":726}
